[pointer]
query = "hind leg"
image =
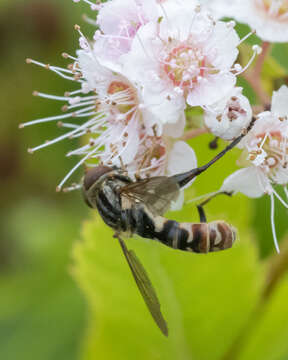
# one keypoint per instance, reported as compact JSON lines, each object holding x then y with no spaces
{"x":200,"y":207}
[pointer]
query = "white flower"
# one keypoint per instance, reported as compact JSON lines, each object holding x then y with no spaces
{"x":268,"y":17}
{"x":266,"y":151}
{"x":119,"y":21}
{"x":187,"y":56}
{"x":107,"y":109}
{"x":218,"y":8}
{"x":165,"y":156}
{"x":229,"y":116}
{"x":180,"y":159}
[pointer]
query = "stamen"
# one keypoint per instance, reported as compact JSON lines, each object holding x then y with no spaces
{"x":38,"y":121}
{"x":67,"y":56}
{"x":60,"y":124}
{"x":89,"y":20}
{"x":286,"y":191}
{"x":60,"y":138}
{"x":71,"y":93}
{"x":252,"y":32}
{"x":280,"y":199}
{"x":59,"y":187}
{"x":93,"y":6}
{"x":80,"y":104}
{"x":256,"y":51}
{"x":72,"y":187}
{"x":50,"y":96}
{"x":273,"y":224}
{"x":202,"y":197}
{"x":54,"y":69}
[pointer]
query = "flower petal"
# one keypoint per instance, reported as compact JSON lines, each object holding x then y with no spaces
{"x":247,"y":181}
{"x":279,"y":105}
{"x":181,"y":158}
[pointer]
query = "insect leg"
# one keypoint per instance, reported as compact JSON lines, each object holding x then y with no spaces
{"x":185,"y":178}
{"x":200,"y":207}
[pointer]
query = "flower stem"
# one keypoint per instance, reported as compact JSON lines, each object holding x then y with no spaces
{"x":194,"y":133}
{"x":261,"y":58}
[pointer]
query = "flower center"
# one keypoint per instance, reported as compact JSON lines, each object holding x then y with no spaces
{"x":274,"y":8}
{"x":272,"y":150}
{"x":151,"y":154}
{"x":129,"y":29}
{"x":184,"y":65}
{"x":123,"y":99}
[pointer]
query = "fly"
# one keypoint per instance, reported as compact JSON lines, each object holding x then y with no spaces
{"x":137,"y":207}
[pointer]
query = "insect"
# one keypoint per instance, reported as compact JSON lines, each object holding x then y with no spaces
{"x":137,"y":207}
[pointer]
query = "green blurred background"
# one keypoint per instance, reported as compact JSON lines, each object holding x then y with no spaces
{"x":42,"y":313}
{"x":66,"y":298}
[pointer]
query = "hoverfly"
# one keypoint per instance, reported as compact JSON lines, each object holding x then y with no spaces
{"x":137,"y":207}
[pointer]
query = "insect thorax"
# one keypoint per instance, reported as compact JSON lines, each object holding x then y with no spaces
{"x":105,"y":195}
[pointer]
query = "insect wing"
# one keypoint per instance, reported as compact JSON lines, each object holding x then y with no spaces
{"x":145,"y":287}
{"x":157,"y":193}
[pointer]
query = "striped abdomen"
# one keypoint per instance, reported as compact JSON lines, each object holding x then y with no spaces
{"x":196,"y":237}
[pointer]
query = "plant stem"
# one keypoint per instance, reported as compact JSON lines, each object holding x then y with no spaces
{"x":261,"y":58}
{"x":194,"y":133}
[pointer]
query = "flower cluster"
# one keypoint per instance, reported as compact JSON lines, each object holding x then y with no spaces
{"x":149,"y":63}
{"x":269,"y":18}
{"x":265,"y":155}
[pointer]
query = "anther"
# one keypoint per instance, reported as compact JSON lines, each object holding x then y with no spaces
{"x":59,"y":124}
{"x":77,"y":27}
{"x":21,"y":126}
{"x":30,"y":151}
{"x":237,"y":67}
{"x":65,"y":55}
{"x":35,"y":93}
{"x":28,"y":61}
{"x":231,"y":24}
{"x":64,"y":108}
{"x":58,"y":189}
{"x":47,"y":66}
{"x":77,"y":76}
{"x":67,"y":94}
{"x":257,"y":49}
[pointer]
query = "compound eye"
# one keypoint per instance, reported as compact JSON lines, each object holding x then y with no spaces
{"x":92,"y":175}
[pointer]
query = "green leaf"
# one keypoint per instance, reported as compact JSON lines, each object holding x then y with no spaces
{"x":197,"y":293}
{"x":207,"y":300}
{"x":266,"y":337}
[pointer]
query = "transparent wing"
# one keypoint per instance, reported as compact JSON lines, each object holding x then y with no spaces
{"x":145,"y":287}
{"x":157,"y":193}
